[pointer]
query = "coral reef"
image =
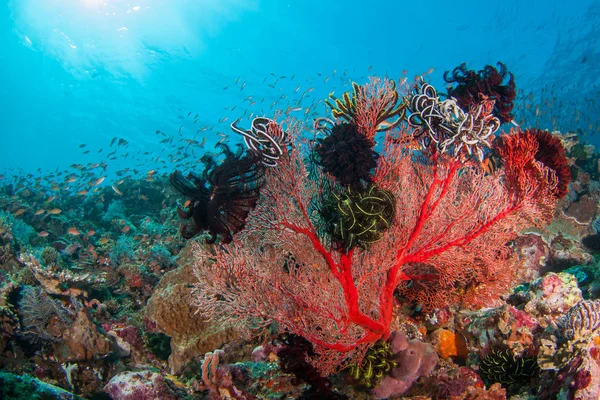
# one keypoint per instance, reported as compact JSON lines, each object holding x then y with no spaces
{"x":377,"y":258}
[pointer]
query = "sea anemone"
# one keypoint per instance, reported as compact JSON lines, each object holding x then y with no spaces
{"x":222,"y":196}
{"x":472,"y":86}
{"x":348,"y":155}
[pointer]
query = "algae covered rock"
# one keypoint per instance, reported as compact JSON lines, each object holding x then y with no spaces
{"x":28,"y":388}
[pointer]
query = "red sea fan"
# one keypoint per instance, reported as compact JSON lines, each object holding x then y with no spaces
{"x":552,"y":154}
{"x":471,"y":86}
{"x":546,"y":150}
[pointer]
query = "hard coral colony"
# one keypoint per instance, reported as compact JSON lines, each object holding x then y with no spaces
{"x":443,"y":241}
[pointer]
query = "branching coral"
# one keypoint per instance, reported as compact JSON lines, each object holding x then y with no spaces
{"x":472,"y":87}
{"x":222,"y":197}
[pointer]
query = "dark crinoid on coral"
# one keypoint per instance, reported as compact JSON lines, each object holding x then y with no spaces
{"x":378,"y":362}
{"x":348,"y":155}
{"x":504,"y":367}
{"x":552,"y":154}
{"x":357,"y":218}
{"x":222,"y":196}
{"x":293,"y":360}
{"x":470,"y":86}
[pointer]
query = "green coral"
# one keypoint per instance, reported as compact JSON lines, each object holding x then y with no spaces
{"x":378,"y":361}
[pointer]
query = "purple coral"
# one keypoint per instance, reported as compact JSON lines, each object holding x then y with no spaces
{"x":414,"y":358}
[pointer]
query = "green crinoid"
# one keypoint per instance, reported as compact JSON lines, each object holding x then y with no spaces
{"x":504,"y":367}
{"x":358,"y":218}
{"x":378,"y":362}
{"x":345,"y":107}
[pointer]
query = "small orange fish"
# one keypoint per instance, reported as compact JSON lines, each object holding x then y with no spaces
{"x":99,"y":181}
{"x":384,"y":125}
{"x":126,"y":229}
{"x":104,"y":240}
{"x":38,"y":212}
{"x":91,"y":233}
{"x":55,"y":211}
{"x":71,"y":179}
{"x":73,"y":231}
{"x":19,"y":212}
{"x":82,"y":193}
{"x":50,"y":199}
{"x":187,"y":203}
{"x":117,"y":191}
{"x":43,"y":234}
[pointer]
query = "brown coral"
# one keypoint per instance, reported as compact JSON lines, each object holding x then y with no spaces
{"x":171,"y":309}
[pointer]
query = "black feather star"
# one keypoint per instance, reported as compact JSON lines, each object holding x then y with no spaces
{"x":348,"y":155}
{"x":222,"y":196}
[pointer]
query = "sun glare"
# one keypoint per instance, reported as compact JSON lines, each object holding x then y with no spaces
{"x":93,"y":3}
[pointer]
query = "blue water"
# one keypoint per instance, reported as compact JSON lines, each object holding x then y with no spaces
{"x":85,"y":71}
